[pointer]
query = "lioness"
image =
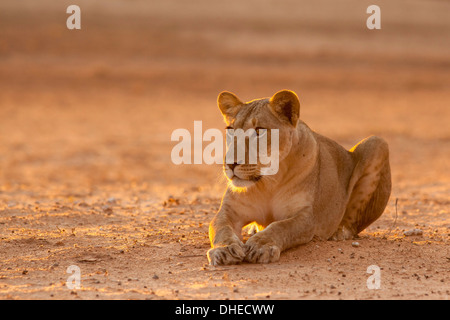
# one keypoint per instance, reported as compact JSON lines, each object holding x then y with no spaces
{"x":320,"y":190}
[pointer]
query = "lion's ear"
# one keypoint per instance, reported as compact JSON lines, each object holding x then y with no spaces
{"x":286,"y":106}
{"x":228,"y":104}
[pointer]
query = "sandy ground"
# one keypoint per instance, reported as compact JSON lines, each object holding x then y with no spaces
{"x":86,"y":117}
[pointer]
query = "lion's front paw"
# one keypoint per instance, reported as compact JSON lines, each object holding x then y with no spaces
{"x":231,"y":254}
{"x":256,"y":252}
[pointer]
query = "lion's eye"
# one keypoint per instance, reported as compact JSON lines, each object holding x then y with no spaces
{"x":260,"y":131}
{"x":229,"y":133}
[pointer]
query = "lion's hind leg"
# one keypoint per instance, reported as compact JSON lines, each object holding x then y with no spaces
{"x":369,"y":187}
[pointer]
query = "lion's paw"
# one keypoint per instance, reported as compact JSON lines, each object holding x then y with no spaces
{"x":342,"y":233}
{"x":231,"y":254}
{"x":261,"y":253}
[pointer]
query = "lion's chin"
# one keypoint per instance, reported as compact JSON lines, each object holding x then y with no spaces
{"x":239,"y":184}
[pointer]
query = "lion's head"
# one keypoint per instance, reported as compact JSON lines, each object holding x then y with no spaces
{"x":257,"y":119}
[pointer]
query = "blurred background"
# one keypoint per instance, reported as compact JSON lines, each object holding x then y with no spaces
{"x":98,"y":105}
{"x":86,"y":118}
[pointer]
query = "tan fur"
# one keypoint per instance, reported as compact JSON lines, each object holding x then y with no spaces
{"x":321,"y":190}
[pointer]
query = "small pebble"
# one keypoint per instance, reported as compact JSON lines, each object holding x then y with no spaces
{"x":413,"y":232}
{"x":107,"y":209}
{"x":355,"y":244}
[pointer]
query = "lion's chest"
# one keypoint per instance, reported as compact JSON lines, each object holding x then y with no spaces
{"x":268,"y":208}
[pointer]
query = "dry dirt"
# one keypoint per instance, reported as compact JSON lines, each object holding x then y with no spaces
{"x":86,"y":116}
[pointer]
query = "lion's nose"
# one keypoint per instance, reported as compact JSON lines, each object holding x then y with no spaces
{"x":232,"y":165}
